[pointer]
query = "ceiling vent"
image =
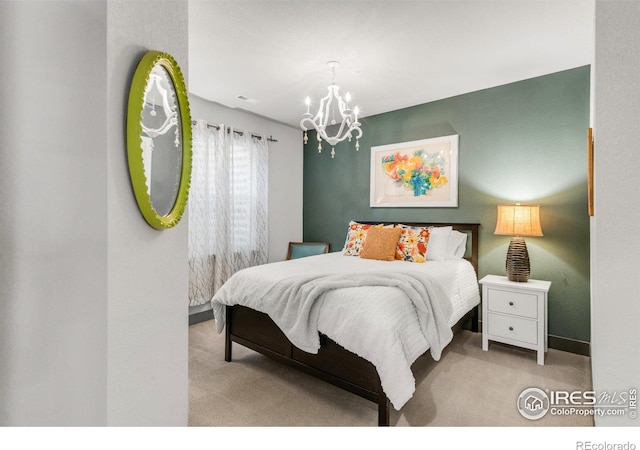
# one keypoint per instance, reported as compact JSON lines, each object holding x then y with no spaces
{"x":253,"y":101}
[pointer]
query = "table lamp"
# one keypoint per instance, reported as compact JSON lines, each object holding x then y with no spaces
{"x":518,"y":221}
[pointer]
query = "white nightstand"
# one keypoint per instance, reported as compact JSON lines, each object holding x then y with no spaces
{"x":515,"y":313}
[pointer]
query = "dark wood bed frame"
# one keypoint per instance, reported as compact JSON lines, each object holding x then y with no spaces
{"x":332,"y":363}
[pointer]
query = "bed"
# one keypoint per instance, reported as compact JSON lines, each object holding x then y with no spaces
{"x":357,"y":323}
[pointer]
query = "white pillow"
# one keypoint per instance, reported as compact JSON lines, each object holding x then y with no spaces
{"x":457,"y":245}
{"x":438,"y":245}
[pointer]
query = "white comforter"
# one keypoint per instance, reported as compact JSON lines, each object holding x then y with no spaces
{"x":363,"y":305}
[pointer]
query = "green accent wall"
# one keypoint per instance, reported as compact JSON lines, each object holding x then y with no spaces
{"x":521,"y":142}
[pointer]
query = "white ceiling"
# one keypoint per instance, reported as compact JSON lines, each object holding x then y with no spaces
{"x":393,"y":53}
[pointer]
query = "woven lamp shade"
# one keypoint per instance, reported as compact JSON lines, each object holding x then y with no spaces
{"x":518,"y":221}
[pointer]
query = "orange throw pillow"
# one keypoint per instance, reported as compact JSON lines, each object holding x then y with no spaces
{"x":380,"y":244}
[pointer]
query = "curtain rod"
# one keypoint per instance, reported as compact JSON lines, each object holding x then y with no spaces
{"x":240,"y":132}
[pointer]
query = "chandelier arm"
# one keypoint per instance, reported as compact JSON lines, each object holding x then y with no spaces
{"x":306,"y":122}
{"x":357,"y":128}
{"x":320,"y":118}
{"x":342,"y":108}
{"x":327,"y":108}
{"x":317,"y":117}
{"x":342,"y":135}
{"x":341,"y":130}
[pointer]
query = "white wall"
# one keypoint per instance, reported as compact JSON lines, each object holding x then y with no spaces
{"x":285,"y":169}
{"x":53,"y":244}
{"x":93,"y":302}
{"x":147,"y":341}
{"x":615,"y":318}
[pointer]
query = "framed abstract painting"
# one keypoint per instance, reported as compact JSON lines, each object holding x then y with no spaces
{"x":418,"y":174}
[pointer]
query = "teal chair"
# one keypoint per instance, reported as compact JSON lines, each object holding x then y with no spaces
{"x":302,"y":249}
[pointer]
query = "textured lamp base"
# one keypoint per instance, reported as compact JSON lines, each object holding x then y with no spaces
{"x":518,"y":260}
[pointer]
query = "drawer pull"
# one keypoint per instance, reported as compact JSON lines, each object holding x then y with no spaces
{"x":510,"y":328}
{"x":510,"y":303}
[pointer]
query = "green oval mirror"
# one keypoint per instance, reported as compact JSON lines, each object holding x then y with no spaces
{"x":159,"y":139}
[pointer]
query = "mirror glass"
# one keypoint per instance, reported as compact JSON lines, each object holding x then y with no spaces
{"x":161,"y":142}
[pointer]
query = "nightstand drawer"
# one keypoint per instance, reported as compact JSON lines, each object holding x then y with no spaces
{"x":509,"y":327}
{"x":508,"y":302}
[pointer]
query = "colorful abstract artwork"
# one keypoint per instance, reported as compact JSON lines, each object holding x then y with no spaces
{"x":415,"y":174}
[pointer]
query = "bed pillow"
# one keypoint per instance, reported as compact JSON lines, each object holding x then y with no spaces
{"x":380,"y":243}
{"x":457,"y":245}
{"x":413,"y":243}
{"x":439,"y":243}
{"x":356,"y":235}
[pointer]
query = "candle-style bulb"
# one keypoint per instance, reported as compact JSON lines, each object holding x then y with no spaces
{"x":307,"y":101}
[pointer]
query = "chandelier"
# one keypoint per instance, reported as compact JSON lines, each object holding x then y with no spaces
{"x":333,"y":110}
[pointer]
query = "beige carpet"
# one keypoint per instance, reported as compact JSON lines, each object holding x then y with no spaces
{"x":467,"y":387}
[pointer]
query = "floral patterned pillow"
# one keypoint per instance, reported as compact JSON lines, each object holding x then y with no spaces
{"x":412,"y":245}
{"x":355,"y":238}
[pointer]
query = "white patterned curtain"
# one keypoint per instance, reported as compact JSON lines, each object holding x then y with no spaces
{"x":228,"y":207}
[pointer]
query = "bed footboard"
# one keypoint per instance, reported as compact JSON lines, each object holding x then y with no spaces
{"x":332,"y":363}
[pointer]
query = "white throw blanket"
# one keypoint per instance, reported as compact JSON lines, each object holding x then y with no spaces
{"x":293,"y":303}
